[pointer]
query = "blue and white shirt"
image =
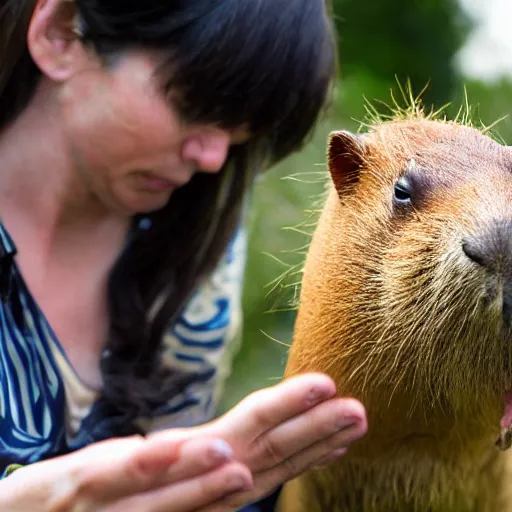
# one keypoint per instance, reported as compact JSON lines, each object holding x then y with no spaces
{"x":47,"y":410}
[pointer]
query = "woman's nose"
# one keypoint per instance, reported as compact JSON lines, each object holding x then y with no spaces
{"x":207,"y":152}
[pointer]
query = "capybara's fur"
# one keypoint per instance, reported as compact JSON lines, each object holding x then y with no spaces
{"x":406,"y":302}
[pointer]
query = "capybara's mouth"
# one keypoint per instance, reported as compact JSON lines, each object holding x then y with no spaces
{"x":497,"y":304}
{"x":504,"y":441}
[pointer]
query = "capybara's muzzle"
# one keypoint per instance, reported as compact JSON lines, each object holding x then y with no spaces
{"x":491,"y":248}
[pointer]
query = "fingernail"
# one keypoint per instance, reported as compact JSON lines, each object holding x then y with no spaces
{"x":237,"y":483}
{"x":316,"y":395}
{"x":221,"y":451}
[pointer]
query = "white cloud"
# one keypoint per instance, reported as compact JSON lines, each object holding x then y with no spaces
{"x":488,"y":53}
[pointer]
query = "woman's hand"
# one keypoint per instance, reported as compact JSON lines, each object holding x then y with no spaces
{"x":274,"y":435}
{"x":282,"y":431}
{"x":128,"y":475}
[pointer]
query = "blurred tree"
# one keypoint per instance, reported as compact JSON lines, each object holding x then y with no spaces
{"x":411,"y":39}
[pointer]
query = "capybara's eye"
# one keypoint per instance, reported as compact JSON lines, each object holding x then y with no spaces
{"x":402,"y":192}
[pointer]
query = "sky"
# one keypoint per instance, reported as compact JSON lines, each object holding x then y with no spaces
{"x":488,"y":53}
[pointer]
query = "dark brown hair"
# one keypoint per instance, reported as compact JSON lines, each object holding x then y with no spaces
{"x":265,"y":63}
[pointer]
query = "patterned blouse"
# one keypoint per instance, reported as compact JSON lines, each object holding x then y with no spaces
{"x":47,"y":410}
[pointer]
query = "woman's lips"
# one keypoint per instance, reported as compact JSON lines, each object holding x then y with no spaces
{"x":153,"y":182}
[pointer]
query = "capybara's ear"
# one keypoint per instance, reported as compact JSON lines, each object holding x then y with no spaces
{"x":345,"y":158}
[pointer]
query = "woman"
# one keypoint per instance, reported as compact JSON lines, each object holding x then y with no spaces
{"x":130,"y":133}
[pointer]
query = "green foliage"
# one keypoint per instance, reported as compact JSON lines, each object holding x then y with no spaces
{"x":409,"y":39}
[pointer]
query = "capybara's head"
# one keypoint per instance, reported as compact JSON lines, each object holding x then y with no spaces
{"x":407,"y":287}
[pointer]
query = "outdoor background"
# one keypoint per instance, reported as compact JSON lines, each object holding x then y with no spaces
{"x":454,"y":45}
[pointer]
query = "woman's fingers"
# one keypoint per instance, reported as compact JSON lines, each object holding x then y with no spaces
{"x":268,"y":408}
{"x":309,"y":457}
{"x":189,"y":495}
{"x":316,"y":437}
{"x":343,"y":415}
{"x":133,"y":474}
{"x":325,"y":451}
{"x":119,"y":469}
{"x":199,"y":456}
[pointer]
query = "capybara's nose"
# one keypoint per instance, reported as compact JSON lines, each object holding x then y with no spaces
{"x":491,"y":247}
{"x":476,"y":251}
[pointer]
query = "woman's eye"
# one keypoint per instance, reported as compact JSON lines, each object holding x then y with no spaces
{"x":402,"y":192}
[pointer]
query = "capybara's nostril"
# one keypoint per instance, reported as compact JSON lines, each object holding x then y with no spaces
{"x":491,"y":247}
{"x":475,"y":251}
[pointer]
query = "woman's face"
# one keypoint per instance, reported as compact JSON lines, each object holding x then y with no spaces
{"x":127,"y":142}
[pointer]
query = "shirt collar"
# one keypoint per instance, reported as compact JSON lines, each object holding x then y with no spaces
{"x":7,"y":246}
{"x":7,"y":253}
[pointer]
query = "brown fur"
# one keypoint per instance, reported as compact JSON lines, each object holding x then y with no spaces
{"x":404,"y":321}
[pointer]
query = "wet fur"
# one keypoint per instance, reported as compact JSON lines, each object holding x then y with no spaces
{"x":392,"y":309}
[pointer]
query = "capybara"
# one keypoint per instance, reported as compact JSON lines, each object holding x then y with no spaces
{"x":406,"y":302}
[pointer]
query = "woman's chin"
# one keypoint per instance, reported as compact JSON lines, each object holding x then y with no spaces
{"x":142,"y":202}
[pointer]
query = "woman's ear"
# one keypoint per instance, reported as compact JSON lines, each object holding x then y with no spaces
{"x":53,"y":41}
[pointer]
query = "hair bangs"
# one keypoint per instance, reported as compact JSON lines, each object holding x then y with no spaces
{"x":264,"y":64}
{"x":272,"y":76}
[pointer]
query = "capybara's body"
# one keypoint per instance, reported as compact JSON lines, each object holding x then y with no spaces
{"x":406,"y":302}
